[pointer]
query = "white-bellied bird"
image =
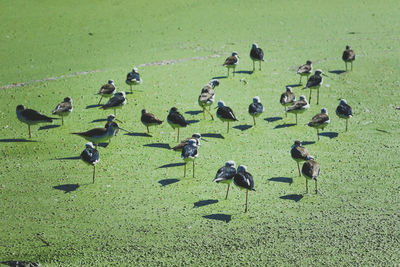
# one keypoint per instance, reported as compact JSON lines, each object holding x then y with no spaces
{"x":149,"y":119}
{"x":348,"y":56}
{"x":315,"y":82}
{"x":310,"y":171}
{"x":299,"y":153}
{"x":299,"y":106}
{"x":256,"y":54}
{"x":344,"y":111}
{"x":244,"y":180}
{"x":91,"y":157}
{"x":305,"y":70}
{"x":231,"y":62}
{"x":195,"y":136}
{"x":133,"y":78}
{"x":206,"y":98}
{"x":176,"y":120}
{"x":63,"y":109}
{"x":225,"y":113}
{"x":320,"y":121}
{"x":189,"y":153}
{"x":287,"y":98}
{"x":225,"y":175}
{"x":31,"y":117}
{"x":107,"y":90}
{"x":256,"y":108}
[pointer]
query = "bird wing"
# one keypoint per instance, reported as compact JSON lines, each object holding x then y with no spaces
{"x":310,"y":169}
{"x":177,"y":118}
{"x":250,"y":180}
{"x":33,"y":115}
{"x":255,"y":108}
{"x":299,"y":152}
{"x":319,"y":119}
{"x":115,"y":101}
{"x":305,"y":68}
{"x":93,"y":132}
{"x":314,"y":80}
{"x":257,"y":53}
{"x":348,"y":55}
{"x":62,"y":107}
{"x":133,"y":76}
{"x":224,"y":173}
{"x":148,"y":118}
{"x":189,"y":151}
{"x":181,"y":144}
{"x":297,"y":105}
{"x":344,"y":110}
{"x":107,"y":89}
{"x":230,"y":60}
{"x":226,"y":113}
{"x":205,"y":96}
{"x":90,"y":155}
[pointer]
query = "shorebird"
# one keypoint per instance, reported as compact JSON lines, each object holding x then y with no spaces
{"x":310,"y":170}
{"x":299,"y":106}
{"x":195,"y":136}
{"x":256,"y":108}
{"x":107,"y":90}
{"x":116,"y":102}
{"x":305,"y":70}
{"x":320,"y":121}
{"x":299,"y":154}
{"x":344,"y":111}
{"x":244,"y":180}
{"x":225,"y":175}
{"x":315,"y":82}
{"x":149,"y":119}
{"x":189,"y":153}
{"x":206,"y":98}
{"x":287,"y":98}
{"x":256,"y":54}
{"x":231,"y":62}
{"x":99,"y":135}
{"x":90,"y":156}
{"x":31,"y":117}
{"x":348,"y":56}
{"x":133,"y":78}
{"x":225,"y":113}
{"x":176,"y":120}
{"x":63,"y":109}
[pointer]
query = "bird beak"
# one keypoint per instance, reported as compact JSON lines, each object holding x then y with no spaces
{"x":123,"y":129}
{"x":325,"y":75}
{"x":205,"y":140}
{"x":118,"y":120}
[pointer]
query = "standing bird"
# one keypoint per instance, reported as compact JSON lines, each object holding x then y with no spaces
{"x":310,"y":170}
{"x":176,"y":120}
{"x":225,"y":175}
{"x":315,"y":82}
{"x":299,"y":106}
{"x":305,"y":70}
{"x":206,"y":98}
{"x":299,"y":153}
{"x":344,"y":111}
{"x":90,"y":156}
{"x":99,"y":135}
{"x":231,"y":62}
{"x":348,"y":56}
{"x":195,"y":136}
{"x":256,"y":108}
{"x":133,"y":78}
{"x":189,"y":153}
{"x":63,"y":109}
{"x":31,"y":117}
{"x":107,"y":90}
{"x":244,"y":180}
{"x":116,"y":102}
{"x":256,"y":54}
{"x":320,"y":121}
{"x":149,"y":119}
{"x":225,"y":113}
{"x":287,"y":98}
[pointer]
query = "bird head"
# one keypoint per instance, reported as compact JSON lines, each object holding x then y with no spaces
{"x":135,"y":70}
{"x":68,"y":99}
{"x":111,"y":82}
{"x":235,"y":54}
{"x":297,"y":143}
{"x":289,"y":89}
{"x":318,"y":71}
{"x":89,"y":144}
{"x":196,"y":136}
{"x":241,"y":168}
{"x":348,"y":47}
{"x":214,"y":82}
{"x":254,"y":45}
{"x":308,"y":62}
{"x":221,"y":103}
{"x":20,"y":108}
{"x":324,"y":111}
{"x":342,"y":102}
{"x":192,"y":142}
{"x":144,"y":111}
{"x":230,"y":163}
{"x":256,"y":99}
{"x":173,"y":109}
{"x":302,"y":97}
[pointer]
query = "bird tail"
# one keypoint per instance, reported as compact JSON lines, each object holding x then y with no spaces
{"x":253,"y":189}
{"x":310,"y":157}
{"x":217,"y":179}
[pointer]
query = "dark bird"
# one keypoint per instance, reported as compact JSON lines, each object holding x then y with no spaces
{"x":305,"y":70}
{"x":310,"y":170}
{"x":176,"y":120}
{"x":115,"y":102}
{"x":348,"y":56}
{"x":315,"y":82}
{"x":149,"y":119}
{"x":344,"y":111}
{"x":225,"y":175}
{"x":244,"y":180}
{"x":256,"y":54}
{"x":299,"y":106}
{"x":91,"y":157}
{"x":99,"y":135}
{"x":133,"y":78}
{"x":195,"y":136}
{"x":299,"y":153}
{"x":256,"y":108}
{"x":287,"y":98}
{"x":31,"y":117}
{"x":225,"y":113}
{"x":63,"y":109}
{"x":231,"y":62}
{"x":189,"y":153}
{"x":107,"y":90}
{"x":320,"y":121}
{"x":206,"y":98}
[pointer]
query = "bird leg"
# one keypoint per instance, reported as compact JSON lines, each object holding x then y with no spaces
{"x":178,"y":135}
{"x":317,"y":95}
{"x":204,"y":112}
{"x":100,"y":100}
{"x":254,"y":65}
{"x":247,"y":197}
{"x":234,"y":68}
{"x":306,"y":186}
{"x":318,"y":134}
{"x":347,"y":120}
{"x":298,"y":167}
{"x":193,"y":168}
{"x":254,"y":120}
{"x":296,"y":118}
{"x":62,"y":120}
{"x":228,"y":72}
{"x":115,"y":112}
{"x":300,"y":79}
{"x":260,"y":64}
{"x":29,"y":129}
{"x":286,"y":112}
{"x":184,"y":170}
{"x":346,"y":65}
{"x":131,"y":88}
{"x":316,"y":190}
{"x":227,"y":130}
{"x":147,"y":129}
{"x":212,"y":117}
{"x":227,"y":191}
{"x":94,"y":172}
{"x":309,"y":98}
{"x":351,"y":66}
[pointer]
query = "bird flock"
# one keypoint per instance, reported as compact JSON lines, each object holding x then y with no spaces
{"x":189,"y":147}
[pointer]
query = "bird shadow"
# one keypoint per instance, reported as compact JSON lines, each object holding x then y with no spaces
{"x":219,"y":217}
{"x":213,"y":135}
{"x":281,"y":180}
{"x":20,"y":263}
{"x":98,"y":120}
{"x":272,"y":119}
{"x":294,"y":197}
{"x":67,"y":187}
{"x":170,"y":165}
{"x":331,"y":135}
{"x":244,"y":72}
{"x":243,"y":127}
{"x":139,"y":134}
{"x":220,"y":77}
{"x":158,"y":145}
{"x":194,"y":112}
{"x":16,"y":140}
{"x":285,"y":125}
{"x":382,"y":131}
{"x":305,"y":143}
{"x":68,"y":158}
{"x":93,"y":106}
{"x":294,"y":85}
{"x":202,"y":203}
{"x":165,"y":182}
{"x":192,"y":121}
{"x":51,"y":126}
{"x":103,"y":144}
{"x":338,"y":72}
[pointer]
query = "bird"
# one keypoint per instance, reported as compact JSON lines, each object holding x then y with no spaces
{"x":310,"y":170}
{"x":256,"y":108}
{"x":256,"y":54}
{"x":91,"y":156}
{"x":115,"y":102}
{"x":225,"y":113}
{"x":299,"y":153}
{"x":344,"y":111}
{"x":299,"y":106}
{"x":231,"y":62}
{"x":99,"y":135}
{"x":107,"y":90}
{"x":149,"y":119}
{"x":244,"y":180}
{"x":189,"y":153}
{"x":206,"y":98}
{"x":225,"y":175}
{"x":31,"y":117}
{"x":348,"y":56}
{"x":195,"y":136}
{"x":315,"y":82}
{"x":320,"y":121}
{"x":287,"y":98}
{"x":176,"y":120}
{"x":63,"y":109}
{"x":133,"y":78}
{"x":305,"y":70}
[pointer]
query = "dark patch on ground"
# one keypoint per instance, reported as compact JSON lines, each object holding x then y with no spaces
{"x":213,"y":135}
{"x":329,"y":134}
{"x":103,"y":144}
{"x":305,"y":143}
{"x":67,"y":187}
{"x":21,"y":263}
{"x":47,"y":127}
{"x":285,"y":125}
{"x":383,"y":131}
{"x":194,"y":112}
{"x":244,"y":72}
{"x":219,"y":217}
{"x":165,"y":182}
{"x":170,"y":165}
{"x":202,"y":203}
{"x":16,"y":140}
{"x":139,"y":134}
{"x":158,"y":145}
{"x":294,"y":197}
{"x":192,"y":121}
{"x":220,"y":77}
{"x":338,"y":72}
{"x":98,"y":120}
{"x":69,"y":158}
{"x":243,"y":127}
{"x":93,"y":106}
{"x":272,"y":119}
{"x":281,"y":180}
{"x":294,"y":85}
